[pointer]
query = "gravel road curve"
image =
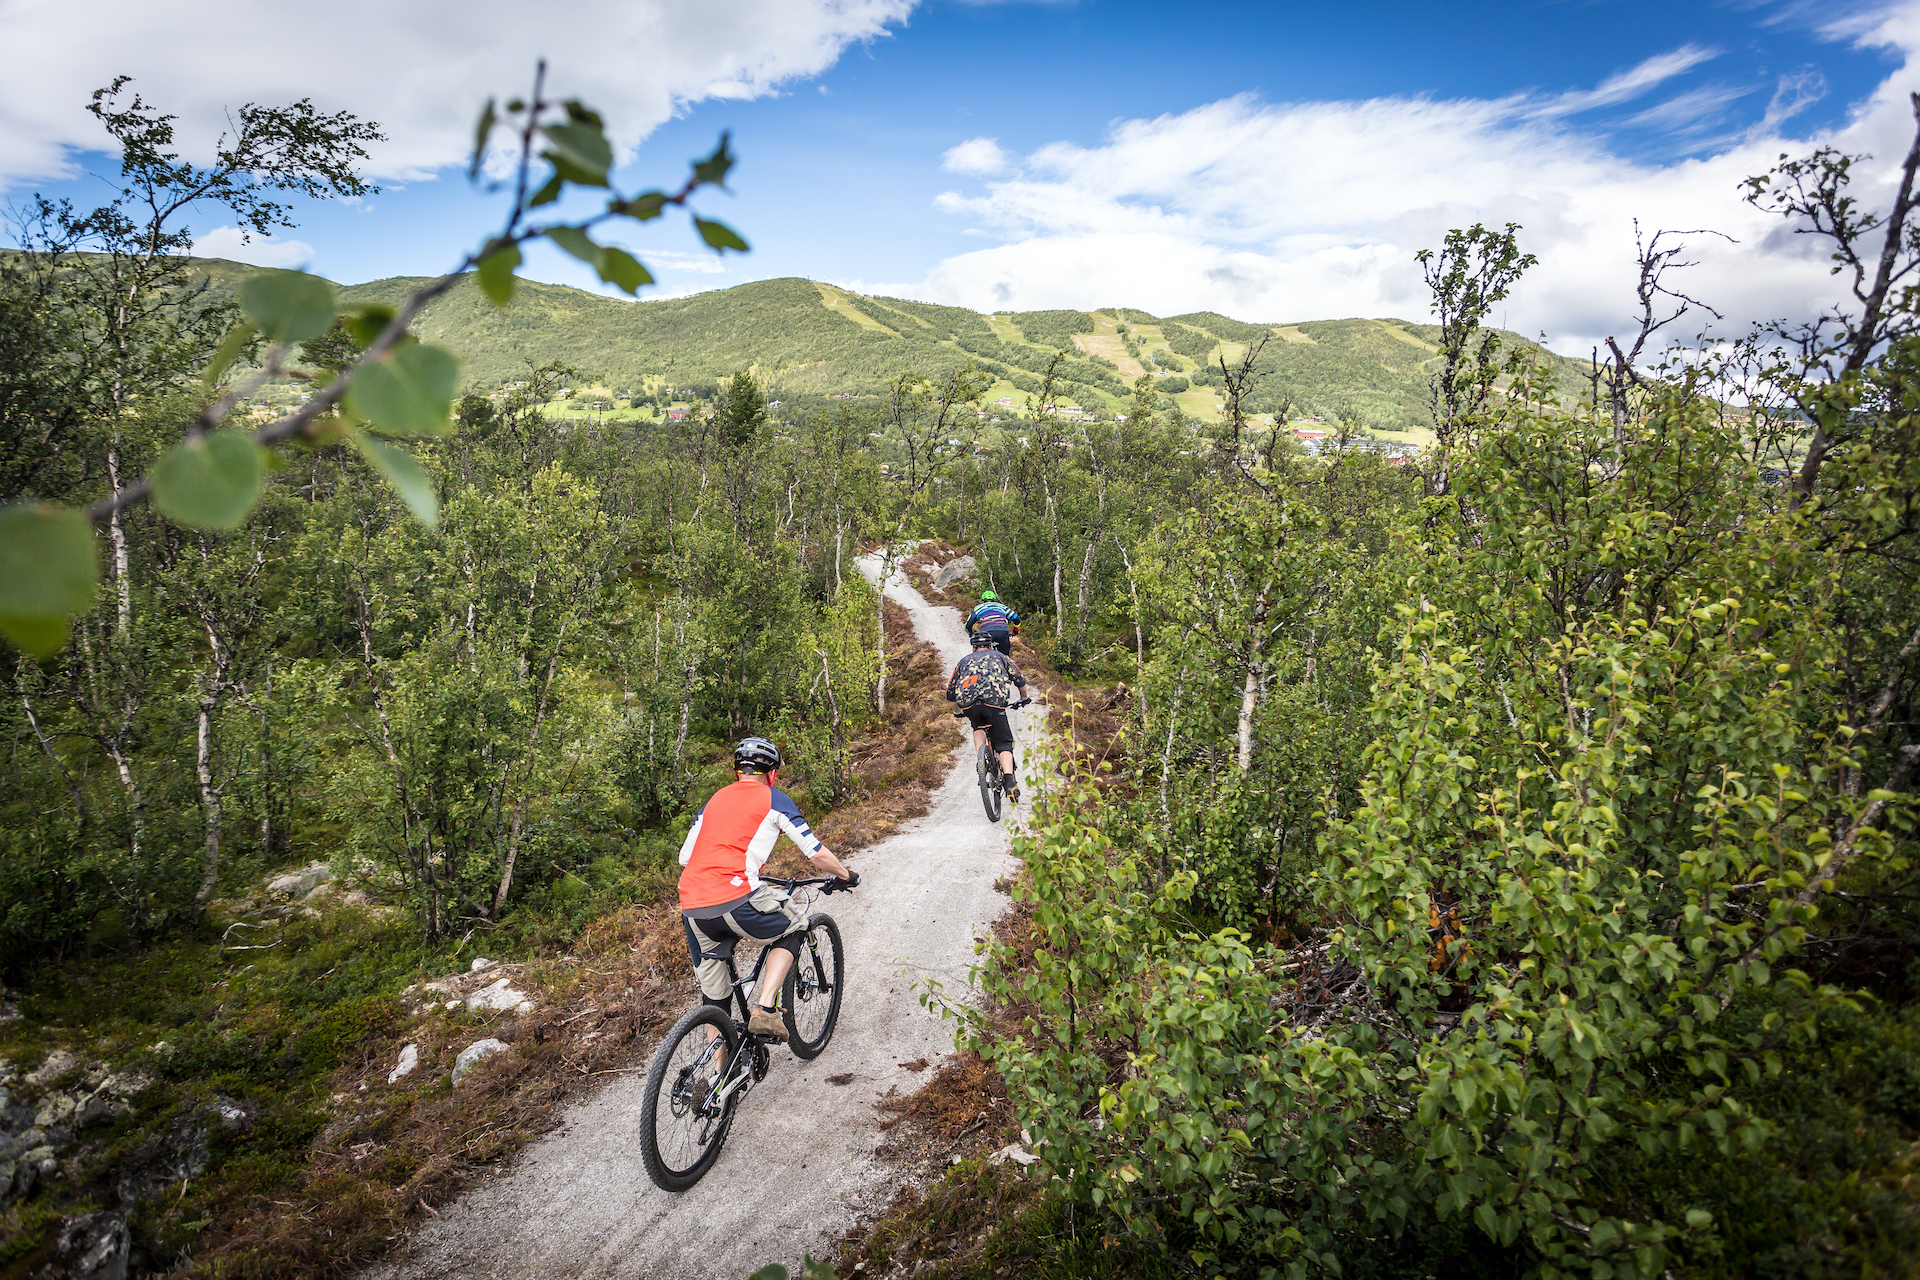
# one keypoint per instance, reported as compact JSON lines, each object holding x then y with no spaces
{"x":798,"y":1166}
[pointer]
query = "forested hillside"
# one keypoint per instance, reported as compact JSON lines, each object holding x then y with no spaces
{"x":803,"y":339}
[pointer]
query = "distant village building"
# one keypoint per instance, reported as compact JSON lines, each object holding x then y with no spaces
{"x":676,"y":415}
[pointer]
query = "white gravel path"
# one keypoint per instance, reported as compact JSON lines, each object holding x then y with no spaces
{"x":798,"y":1166}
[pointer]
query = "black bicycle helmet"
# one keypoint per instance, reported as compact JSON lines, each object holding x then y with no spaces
{"x":756,"y":755}
{"x":981,"y":640}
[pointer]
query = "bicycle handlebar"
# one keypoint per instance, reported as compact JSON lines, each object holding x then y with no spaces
{"x":1011,"y":706}
{"x":826,"y":884}
{"x":800,"y":883}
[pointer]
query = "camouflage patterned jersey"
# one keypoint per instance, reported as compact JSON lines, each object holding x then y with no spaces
{"x":984,"y":678}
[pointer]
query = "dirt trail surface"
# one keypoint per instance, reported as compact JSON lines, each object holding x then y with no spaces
{"x":798,"y":1166}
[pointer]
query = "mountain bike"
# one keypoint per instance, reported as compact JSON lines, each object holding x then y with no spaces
{"x":709,"y":1060}
{"x":986,"y":767}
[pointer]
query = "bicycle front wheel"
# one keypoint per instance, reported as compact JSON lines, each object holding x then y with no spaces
{"x":682,"y":1126}
{"x":989,"y":770}
{"x":810,"y":997}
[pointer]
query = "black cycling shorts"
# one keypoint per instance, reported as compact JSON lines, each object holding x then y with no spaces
{"x":994,"y":721}
{"x":1002,"y":640}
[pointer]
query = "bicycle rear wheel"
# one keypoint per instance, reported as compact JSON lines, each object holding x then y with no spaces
{"x":810,"y":997}
{"x":989,"y":770}
{"x":681,"y":1127}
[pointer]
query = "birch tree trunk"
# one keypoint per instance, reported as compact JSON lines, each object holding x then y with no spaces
{"x":210,"y":803}
{"x":1250,"y":688}
{"x":1139,"y":638}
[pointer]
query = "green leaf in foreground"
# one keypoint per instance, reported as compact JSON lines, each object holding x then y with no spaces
{"x":37,"y":636}
{"x":231,"y":346}
{"x":715,"y":167}
{"x":577,"y":242}
{"x":408,"y":391}
{"x":482,"y":131}
{"x":616,"y":266}
{"x":404,"y":472}
{"x":719,"y":236}
{"x":622,"y":269}
{"x":289,"y":306}
{"x":47,"y":571}
{"x":209,"y":481}
{"x":578,"y":152}
{"x":366,"y":322}
{"x":496,"y":274}
{"x":643,"y":207}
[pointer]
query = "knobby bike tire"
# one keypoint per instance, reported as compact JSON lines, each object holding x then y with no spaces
{"x":818,"y":975}
{"x":989,"y":770}
{"x":684,"y":1160}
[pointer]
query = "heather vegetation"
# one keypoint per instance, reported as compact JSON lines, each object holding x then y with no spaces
{"x":1497,"y":860}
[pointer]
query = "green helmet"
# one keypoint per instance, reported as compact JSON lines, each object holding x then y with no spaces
{"x":988,"y":595}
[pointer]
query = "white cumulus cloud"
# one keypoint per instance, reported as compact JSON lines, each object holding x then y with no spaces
{"x":421,"y":69}
{"x":252,"y":248}
{"x":977,"y":156}
{"x":1311,"y":210}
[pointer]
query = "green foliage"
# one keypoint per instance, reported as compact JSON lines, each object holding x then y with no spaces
{"x":288,"y":306}
{"x":209,"y":481}
{"x":403,"y":471}
{"x":743,"y":412}
{"x":48,"y":568}
{"x":407,"y":391}
{"x":1522,"y":803}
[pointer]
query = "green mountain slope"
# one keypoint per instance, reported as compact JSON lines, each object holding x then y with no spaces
{"x":804,"y":338}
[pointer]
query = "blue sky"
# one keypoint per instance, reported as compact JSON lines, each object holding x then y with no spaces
{"x":1275,"y":161}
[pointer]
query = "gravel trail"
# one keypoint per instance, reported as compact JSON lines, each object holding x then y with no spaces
{"x":798,"y":1165}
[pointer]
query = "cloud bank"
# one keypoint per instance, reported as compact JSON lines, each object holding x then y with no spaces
{"x":421,"y":69}
{"x":1315,"y":210}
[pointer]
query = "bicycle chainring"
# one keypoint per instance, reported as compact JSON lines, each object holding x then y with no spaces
{"x":762,"y":1060}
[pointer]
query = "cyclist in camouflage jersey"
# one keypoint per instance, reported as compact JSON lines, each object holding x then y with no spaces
{"x":982,"y":685}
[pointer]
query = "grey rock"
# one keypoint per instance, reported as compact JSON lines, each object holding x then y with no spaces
{"x":228,"y":1114}
{"x":473,"y":1055}
{"x":500,"y":997}
{"x":958,"y":569}
{"x":27,"y":1141}
{"x":298,"y":884}
{"x":56,"y":1108}
{"x":57,"y":1064}
{"x":481,"y":962}
{"x":409,"y":1059}
{"x":92,"y":1246}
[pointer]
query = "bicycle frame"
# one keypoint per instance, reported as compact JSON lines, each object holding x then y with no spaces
{"x":741,"y":986}
{"x":732,"y":1076}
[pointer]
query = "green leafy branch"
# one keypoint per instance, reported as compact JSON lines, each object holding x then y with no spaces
{"x":399,"y":387}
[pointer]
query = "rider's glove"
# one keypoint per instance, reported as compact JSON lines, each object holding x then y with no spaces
{"x":851,"y":882}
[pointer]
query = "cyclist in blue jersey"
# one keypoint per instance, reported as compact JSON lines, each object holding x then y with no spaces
{"x":995,"y":620}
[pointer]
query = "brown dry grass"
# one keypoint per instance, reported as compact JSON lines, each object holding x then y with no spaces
{"x":927,"y":560}
{"x":392,"y":1154}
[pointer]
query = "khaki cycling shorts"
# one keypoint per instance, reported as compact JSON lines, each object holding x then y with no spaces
{"x":768,"y":915}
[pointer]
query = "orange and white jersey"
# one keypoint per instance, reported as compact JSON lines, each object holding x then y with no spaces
{"x":731,"y":839}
